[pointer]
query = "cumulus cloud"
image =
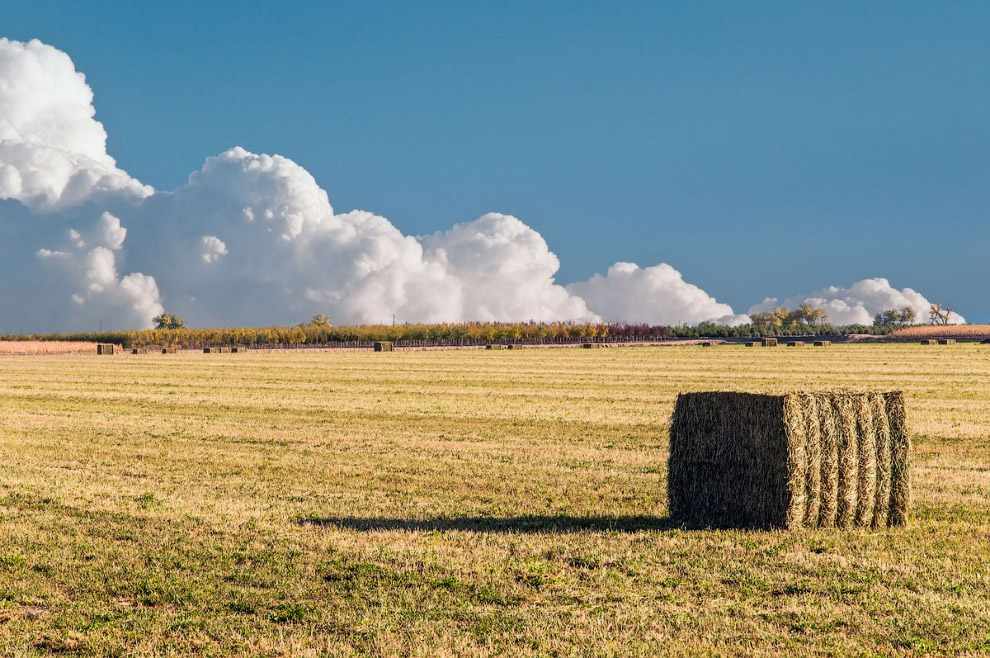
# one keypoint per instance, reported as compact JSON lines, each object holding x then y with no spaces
{"x":52,"y":150}
{"x":654,"y":295}
{"x":859,"y":303}
{"x":252,"y":239}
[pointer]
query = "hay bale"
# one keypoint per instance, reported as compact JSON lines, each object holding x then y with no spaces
{"x":168,"y":350}
{"x":513,"y":346}
{"x":814,"y":460}
{"x":104,"y":348}
{"x":495,"y":346}
{"x":769,"y":342}
{"x":752,"y":344}
{"x":929,"y":341}
{"x":946,"y":341}
{"x":136,"y":351}
{"x":822,"y":343}
{"x":795,"y":343}
{"x":383,"y":346}
{"x":237,"y":350}
{"x":707,"y":343}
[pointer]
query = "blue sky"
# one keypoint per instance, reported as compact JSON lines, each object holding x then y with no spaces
{"x":760,"y":148}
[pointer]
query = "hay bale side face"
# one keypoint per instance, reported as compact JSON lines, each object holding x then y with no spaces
{"x":728,"y":460}
{"x":105,"y":349}
{"x":383,"y":346}
{"x":769,"y":342}
{"x":822,"y":343}
{"x":798,"y":460}
{"x":900,"y":462}
{"x":947,"y":341}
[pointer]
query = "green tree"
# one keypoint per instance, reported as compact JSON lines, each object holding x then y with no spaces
{"x":168,"y":321}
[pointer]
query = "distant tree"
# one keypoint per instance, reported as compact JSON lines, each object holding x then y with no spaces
{"x":168,"y":321}
{"x":904,"y":315}
{"x":939,"y":314}
{"x":321,"y":320}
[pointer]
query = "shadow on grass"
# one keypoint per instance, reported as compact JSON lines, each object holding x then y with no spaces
{"x":521,"y":524}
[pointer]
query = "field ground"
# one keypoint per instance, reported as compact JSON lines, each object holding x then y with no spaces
{"x":460,"y":503}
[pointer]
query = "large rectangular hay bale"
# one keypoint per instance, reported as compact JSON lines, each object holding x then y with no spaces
{"x":812,"y":460}
{"x":383,"y":346}
{"x":929,"y":341}
{"x":513,"y":346}
{"x":168,"y":350}
{"x":946,"y":341}
{"x":494,"y":346}
{"x":769,"y":342}
{"x":795,"y":343}
{"x":237,"y":350}
{"x":104,"y":348}
{"x":822,"y":343}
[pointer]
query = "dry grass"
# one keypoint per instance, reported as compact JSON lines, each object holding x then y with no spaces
{"x":33,"y":347}
{"x":952,"y":330}
{"x":459,"y":503}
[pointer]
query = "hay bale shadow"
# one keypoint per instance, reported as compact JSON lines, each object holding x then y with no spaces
{"x":512,"y":524}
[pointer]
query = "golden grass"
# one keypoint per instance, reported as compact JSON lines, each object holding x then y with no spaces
{"x":459,"y":503}
{"x":952,"y":330}
{"x":34,"y":347}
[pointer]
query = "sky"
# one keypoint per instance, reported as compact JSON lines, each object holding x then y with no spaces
{"x":761,"y":149}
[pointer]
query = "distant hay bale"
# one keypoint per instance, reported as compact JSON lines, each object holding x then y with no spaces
{"x":514,"y":346}
{"x":211,"y":350}
{"x":495,"y":346}
{"x":811,"y":460}
{"x":795,"y":343}
{"x":168,"y":350}
{"x":707,"y":343}
{"x":136,"y":351}
{"x":946,"y":341}
{"x":929,"y":341}
{"x":769,"y":342}
{"x":237,"y":350}
{"x":822,"y":343}
{"x":383,"y":346}
{"x":752,"y":343}
{"x":104,"y":348}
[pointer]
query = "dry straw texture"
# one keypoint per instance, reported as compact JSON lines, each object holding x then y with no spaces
{"x":769,"y":342}
{"x":814,"y":460}
{"x":104,"y":348}
{"x":795,"y":343}
{"x":383,"y":346}
{"x":822,"y":343}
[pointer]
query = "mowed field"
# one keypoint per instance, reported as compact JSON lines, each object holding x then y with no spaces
{"x":461,"y":502}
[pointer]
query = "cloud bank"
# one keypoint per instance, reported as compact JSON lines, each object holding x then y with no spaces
{"x":859,"y":303}
{"x":252,"y":239}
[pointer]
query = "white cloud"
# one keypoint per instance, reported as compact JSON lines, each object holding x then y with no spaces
{"x":859,"y":303}
{"x":654,"y":295}
{"x":213,"y":248}
{"x":52,"y":150}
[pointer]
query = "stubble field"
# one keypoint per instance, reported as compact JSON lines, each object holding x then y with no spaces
{"x":460,"y":503}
